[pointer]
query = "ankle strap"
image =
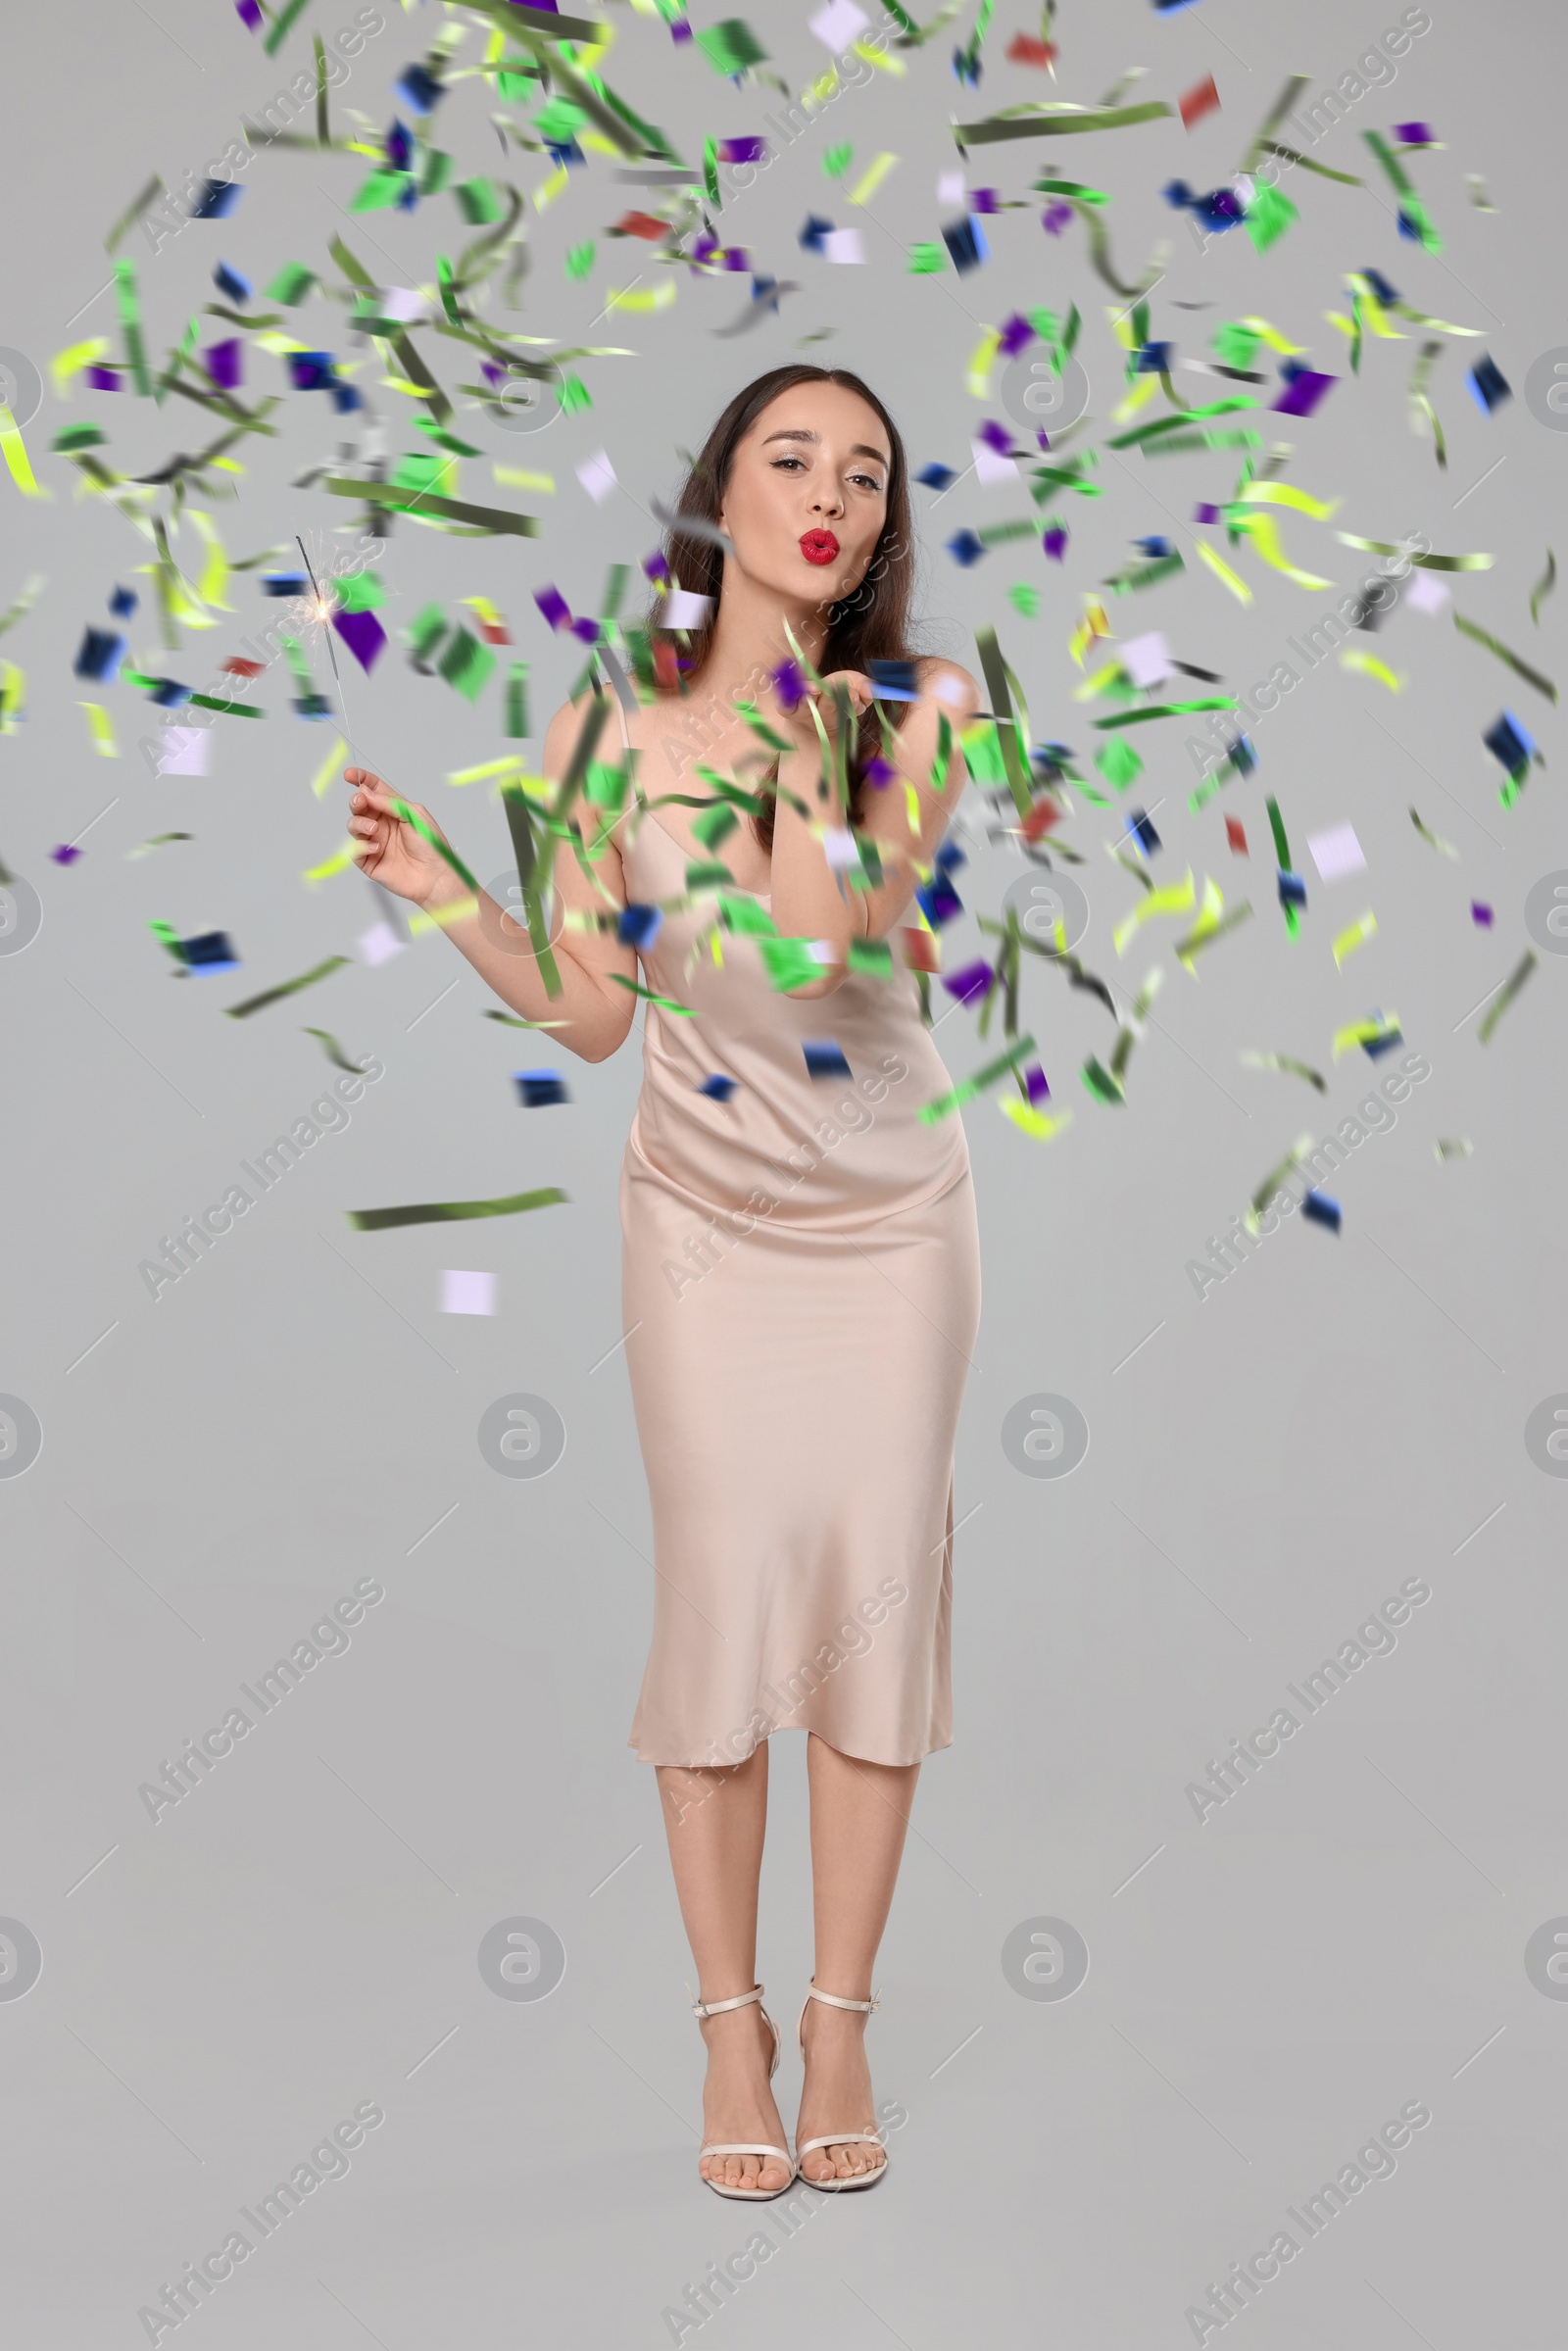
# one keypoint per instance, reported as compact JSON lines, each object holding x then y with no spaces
{"x":864,"y":2007}
{"x":707,"y":2008}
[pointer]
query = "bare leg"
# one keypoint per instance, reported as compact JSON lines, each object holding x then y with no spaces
{"x":716,"y":1820}
{"x":860,"y":1812}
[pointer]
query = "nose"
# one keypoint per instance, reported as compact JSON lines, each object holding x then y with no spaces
{"x":827,"y":498}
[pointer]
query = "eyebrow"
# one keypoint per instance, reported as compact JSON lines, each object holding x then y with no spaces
{"x":860,"y":448}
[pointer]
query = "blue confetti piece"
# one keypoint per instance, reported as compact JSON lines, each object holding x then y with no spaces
{"x":537,"y":1087}
{"x":825,"y":1058}
{"x":1321,"y":1210}
{"x":639,"y":926}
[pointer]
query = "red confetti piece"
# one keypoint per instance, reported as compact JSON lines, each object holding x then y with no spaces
{"x":1025,"y":50}
{"x":1235,"y":836}
{"x":1199,"y":101}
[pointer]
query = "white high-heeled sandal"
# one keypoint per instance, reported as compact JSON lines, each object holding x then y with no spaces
{"x":839,"y":2138}
{"x":702,"y":2009}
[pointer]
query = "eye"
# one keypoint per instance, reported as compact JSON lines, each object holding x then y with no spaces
{"x":870,"y":481}
{"x":780,"y":462}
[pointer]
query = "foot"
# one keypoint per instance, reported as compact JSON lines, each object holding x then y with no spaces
{"x":837,"y":2094}
{"x":737,"y":2101}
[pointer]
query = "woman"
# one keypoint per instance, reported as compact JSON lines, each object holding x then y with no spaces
{"x":801,"y":1271}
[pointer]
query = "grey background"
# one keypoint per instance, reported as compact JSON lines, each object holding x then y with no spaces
{"x":302,"y":1933}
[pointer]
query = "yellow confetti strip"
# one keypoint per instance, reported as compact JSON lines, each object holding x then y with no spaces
{"x":1271,"y":336}
{"x":1364,"y":1032}
{"x":874,"y":56}
{"x":1093,"y":624}
{"x":871,"y":179}
{"x":644,"y":298}
{"x":513,"y":477}
{"x":68,"y":364}
{"x":978,"y":374}
{"x":419,"y":922}
{"x":1032,"y":1121}
{"x":1261,"y":531}
{"x":488,"y":767}
{"x":1355,"y":935}
{"x":1143,"y":391}
{"x":1222,"y":570}
{"x":1350,"y":658}
{"x":338,"y":863}
{"x":103,"y":730}
{"x":326,"y":774}
{"x":215,"y":572}
{"x":16,"y":456}
{"x":13,"y":687}
{"x":1284,"y":493}
{"x":549,"y":189}
{"x":1179,"y":898}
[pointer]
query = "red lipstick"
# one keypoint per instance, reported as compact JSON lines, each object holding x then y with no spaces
{"x":819,"y":547}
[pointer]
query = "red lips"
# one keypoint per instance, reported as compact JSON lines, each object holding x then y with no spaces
{"x":819,"y":547}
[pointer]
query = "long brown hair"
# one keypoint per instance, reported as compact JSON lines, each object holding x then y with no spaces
{"x":872,"y":624}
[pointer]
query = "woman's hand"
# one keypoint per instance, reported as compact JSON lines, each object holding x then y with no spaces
{"x":799,"y":720}
{"x":389,"y":849}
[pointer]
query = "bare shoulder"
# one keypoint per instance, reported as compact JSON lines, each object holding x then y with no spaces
{"x":951,"y":684}
{"x":561,"y":732}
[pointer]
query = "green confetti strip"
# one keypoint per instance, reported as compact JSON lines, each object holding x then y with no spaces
{"x":1494,"y":645}
{"x":451,"y":1211}
{"x":1515,"y":981}
{"x":334,"y":1052}
{"x":274,"y":996}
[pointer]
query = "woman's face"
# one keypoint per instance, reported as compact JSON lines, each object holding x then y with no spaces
{"x":807,"y":493}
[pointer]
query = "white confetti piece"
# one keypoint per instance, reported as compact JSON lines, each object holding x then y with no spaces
{"x":598,"y":476}
{"x":1338,"y":852}
{"x":379,"y":944}
{"x":468,"y":1293}
{"x":681,"y":609}
{"x":838,"y":25}
{"x":187,"y":751}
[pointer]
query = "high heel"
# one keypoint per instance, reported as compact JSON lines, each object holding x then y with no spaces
{"x":702,"y":2009}
{"x":839,"y":2138}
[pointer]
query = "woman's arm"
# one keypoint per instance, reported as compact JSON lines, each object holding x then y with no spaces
{"x":805,"y":898}
{"x":595,"y":1013}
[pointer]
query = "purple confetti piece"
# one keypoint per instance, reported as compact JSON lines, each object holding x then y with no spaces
{"x":1034,"y":1078}
{"x":103,"y":379}
{"x":250,"y":16}
{"x":1480,"y":913}
{"x":1206,"y":514}
{"x":997,"y":436}
{"x":1414,"y":135}
{"x":1015,"y":334}
{"x":223,"y":362}
{"x":553,"y":605}
{"x":789,"y":685}
{"x":66,"y":853}
{"x":1054,"y":542}
{"x":364,"y":636}
{"x":881,"y":772}
{"x":1054,"y":219}
{"x":1302,"y":393}
{"x":969,"y":983}
{"x":743,"y":151}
